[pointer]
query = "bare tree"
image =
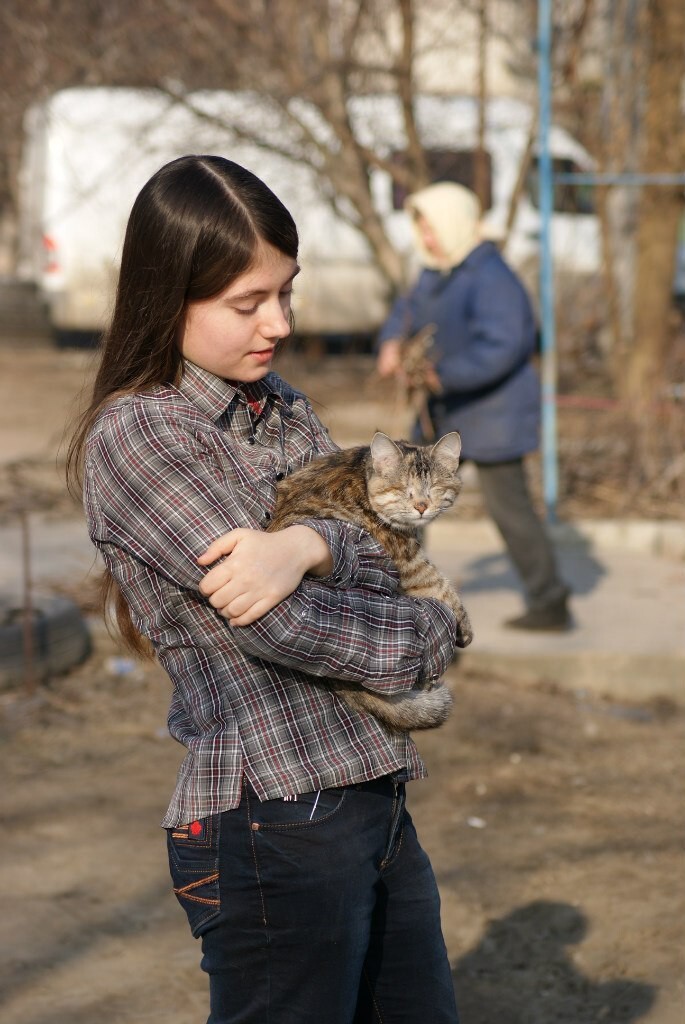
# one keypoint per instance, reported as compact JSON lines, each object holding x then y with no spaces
{"x":301,"y":57}
{"x":47,"y":45}
{"x":619,"y":76}
{"x":323,"y":55}
{"x":661,"y":206}
{"x":309,"y":61}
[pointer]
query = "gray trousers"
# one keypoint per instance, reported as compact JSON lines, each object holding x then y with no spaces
{"x":504,"y":487}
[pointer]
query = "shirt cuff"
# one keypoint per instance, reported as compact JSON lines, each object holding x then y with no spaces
{"x":358,"y":560}
{"x":439,"y":629}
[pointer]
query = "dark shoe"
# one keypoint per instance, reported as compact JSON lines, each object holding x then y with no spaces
{"x":554,"y":618}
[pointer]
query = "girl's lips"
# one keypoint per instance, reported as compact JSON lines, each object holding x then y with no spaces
{"x":265,"y":356}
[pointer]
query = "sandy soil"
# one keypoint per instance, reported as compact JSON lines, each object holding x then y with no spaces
{"x":554,"y":822}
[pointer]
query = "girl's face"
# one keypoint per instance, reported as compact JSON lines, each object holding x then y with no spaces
{"x":234,"y":334}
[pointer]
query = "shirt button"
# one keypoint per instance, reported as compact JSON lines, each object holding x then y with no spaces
{"x":279,"y":476}
{"x":267,"y":516}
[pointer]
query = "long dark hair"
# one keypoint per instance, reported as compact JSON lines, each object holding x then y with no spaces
{"x":194,"y":228}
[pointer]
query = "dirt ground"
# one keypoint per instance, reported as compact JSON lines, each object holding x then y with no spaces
{"x":554,"y":822}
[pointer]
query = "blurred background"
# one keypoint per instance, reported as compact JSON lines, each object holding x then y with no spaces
{"x":344,"y":107}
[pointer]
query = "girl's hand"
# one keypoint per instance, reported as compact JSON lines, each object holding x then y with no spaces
{"x":261,"y":569}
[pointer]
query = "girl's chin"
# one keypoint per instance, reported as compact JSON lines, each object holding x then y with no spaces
{"x":248,"y":376}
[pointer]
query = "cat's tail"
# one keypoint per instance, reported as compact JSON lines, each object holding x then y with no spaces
{"x":403,"y":712}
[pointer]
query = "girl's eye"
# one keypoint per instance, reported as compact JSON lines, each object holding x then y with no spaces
{"x":246,"y":312}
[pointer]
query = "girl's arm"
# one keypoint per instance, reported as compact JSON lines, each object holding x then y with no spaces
{"x":386,"y":643}
{"x":156,"y":491}
{"x":260,"y":569}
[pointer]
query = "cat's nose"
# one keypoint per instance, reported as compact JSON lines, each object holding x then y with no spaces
{"x":420,"y":507}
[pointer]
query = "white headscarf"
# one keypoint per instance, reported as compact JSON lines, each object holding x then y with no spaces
{"x":453,"y":213}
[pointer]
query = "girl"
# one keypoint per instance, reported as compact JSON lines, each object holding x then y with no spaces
{"x":289,"y":844}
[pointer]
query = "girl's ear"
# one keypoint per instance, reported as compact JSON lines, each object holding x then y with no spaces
{"x":448,"y":449}
{"x":385,"y":454}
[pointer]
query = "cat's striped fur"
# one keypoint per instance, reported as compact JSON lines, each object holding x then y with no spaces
{"x":391,"y":489}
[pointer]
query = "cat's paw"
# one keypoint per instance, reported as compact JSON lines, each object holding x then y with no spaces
{"x":427,"y":685}
{"x":464,"y":629}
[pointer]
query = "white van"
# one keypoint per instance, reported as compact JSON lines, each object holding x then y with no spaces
{"x":88,"y":151}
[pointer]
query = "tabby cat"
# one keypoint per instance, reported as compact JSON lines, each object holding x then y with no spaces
{"x":391,"y":489}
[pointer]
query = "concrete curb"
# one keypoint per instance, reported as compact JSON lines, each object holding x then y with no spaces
{"x":630,"y":677}
{"x":628,"y":603}
{"x":663,"y":538}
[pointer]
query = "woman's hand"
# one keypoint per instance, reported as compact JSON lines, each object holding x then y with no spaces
{"x":261,"y":569}
{"x":389,"y":362}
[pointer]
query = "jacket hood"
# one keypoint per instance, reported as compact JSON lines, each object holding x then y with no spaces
{"x":453,"y":213}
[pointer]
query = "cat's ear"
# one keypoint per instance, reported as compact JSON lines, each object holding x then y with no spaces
{"x":448,"y":449}
{"x":385,"y":454}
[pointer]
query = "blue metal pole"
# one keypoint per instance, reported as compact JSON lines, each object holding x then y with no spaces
{"x":629,"y":179}
{"x":549,"y":369}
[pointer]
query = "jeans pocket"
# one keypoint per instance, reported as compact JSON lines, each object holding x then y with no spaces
{"x":194,"y":865}
{"x":306,"y":811}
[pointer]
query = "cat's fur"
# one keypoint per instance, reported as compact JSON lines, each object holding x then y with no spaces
{"x":417,"y":355}
{"x":391,"y":489}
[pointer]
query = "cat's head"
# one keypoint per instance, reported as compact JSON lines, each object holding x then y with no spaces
{"x":409,"y":485}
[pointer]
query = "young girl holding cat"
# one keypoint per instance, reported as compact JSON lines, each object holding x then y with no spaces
{"x":289,"y":844}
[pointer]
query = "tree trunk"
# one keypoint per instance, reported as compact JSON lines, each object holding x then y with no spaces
{"x":480,"y":176}
{"x":661,"y":206}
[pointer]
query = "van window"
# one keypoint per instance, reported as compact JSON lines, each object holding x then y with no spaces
{"x":448,"y":165}
{"x":568,"y":197}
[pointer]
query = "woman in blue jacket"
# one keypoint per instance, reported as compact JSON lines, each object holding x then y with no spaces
{"x":488,"y":388}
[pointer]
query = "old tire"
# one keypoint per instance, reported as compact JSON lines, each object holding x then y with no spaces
{"x":61,"y":638}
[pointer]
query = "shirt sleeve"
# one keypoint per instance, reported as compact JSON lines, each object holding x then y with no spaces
{"x":387,"y":644}
{"x":156,"y":491}
{"x":400,"y":321}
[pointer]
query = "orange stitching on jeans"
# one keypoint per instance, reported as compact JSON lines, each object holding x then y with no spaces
{"x":373,"y":996}
{"x":398,"y":846}
{"x":186,"y":890}
{"x":284,"y":826}
{"x":254,"y":856}
{"x":196,"y":899}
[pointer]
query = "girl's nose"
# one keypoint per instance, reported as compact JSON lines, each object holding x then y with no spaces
{"x":276,"y":323}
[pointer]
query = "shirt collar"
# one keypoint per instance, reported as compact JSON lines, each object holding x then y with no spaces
{"x":213,"y":395}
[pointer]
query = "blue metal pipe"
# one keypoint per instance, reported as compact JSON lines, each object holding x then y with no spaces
{"x":583,"y":178}
{"x":549,"y":368}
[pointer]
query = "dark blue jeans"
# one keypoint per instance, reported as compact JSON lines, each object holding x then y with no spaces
{"x":320,"y":910}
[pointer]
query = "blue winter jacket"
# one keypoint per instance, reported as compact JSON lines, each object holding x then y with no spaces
{"x":484,"y":343}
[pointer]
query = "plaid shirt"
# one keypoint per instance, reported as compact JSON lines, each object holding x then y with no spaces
{"x":168,"y":471}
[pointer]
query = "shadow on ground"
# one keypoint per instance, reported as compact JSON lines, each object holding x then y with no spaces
{"x":580,"y":568}
{"x":521,"y":973}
